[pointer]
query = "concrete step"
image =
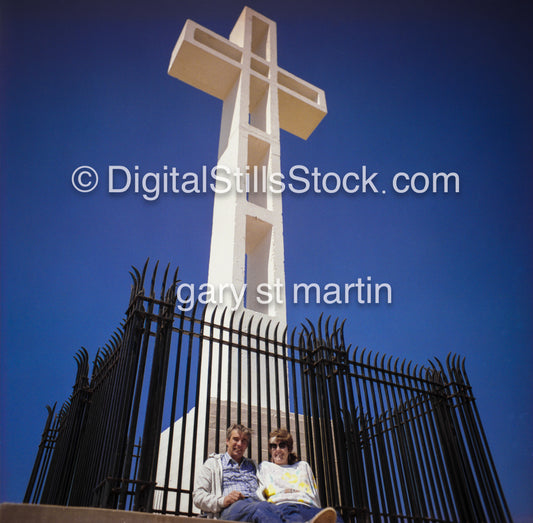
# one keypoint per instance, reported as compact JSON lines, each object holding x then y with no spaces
{"x":25,"y":513}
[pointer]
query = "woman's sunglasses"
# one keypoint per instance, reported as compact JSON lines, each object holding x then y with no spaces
{"x":281,"y":445}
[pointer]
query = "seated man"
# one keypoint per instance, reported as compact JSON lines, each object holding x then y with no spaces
{"x":225,"y":485}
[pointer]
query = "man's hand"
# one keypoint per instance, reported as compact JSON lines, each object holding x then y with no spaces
{"x":232,"y":497}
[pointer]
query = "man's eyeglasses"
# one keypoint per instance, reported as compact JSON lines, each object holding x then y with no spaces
{"x":281,"y":445}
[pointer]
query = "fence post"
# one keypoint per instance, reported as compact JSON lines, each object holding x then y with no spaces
{"x":154,"y":404}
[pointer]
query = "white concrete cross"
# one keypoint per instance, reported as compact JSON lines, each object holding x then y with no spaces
{"x":247,"y":235}
{"x":259,"y":98}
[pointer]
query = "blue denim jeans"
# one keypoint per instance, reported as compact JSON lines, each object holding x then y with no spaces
{"x":252,"y":511}
{"x":298,"y":512}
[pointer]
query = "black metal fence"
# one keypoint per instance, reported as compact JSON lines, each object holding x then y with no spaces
{"x":388,"y":441}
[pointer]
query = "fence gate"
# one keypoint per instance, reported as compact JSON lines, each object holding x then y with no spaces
{"x":388,"y":440}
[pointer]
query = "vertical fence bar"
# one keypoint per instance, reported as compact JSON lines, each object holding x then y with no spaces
{"x":249,"y":383}
{"x":220,"y":347}
{"x":58,"y":484}
{"x":229,"y":367}
{"x":501,"y":509}
{"x":172,"y":419}
{"x":384,"y":451}
{"x":211,"y":323}
{"x":182,"y":438}
{"x":421,"y":443}
{"x":258,"y":437}
{"x":140,"y":349}
{"x":360,"y":508}
{"x":451,"y":456}
{"x":38,"y":465}
{"x":286,"y":389}
{"x":49,"y":450}
{"x":240,"y":350}
{"x":297,"y":385}
{"x":195,"y":420}
{"x":408,"y":436}
{"x":441,"y":472}
{"x":154,"y":403}
{"x":370,"y":431}
{"x":266,"y":351}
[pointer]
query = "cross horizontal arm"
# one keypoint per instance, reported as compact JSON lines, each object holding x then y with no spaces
{"x":205,"y":60}
{"x":212,"y":64}
{"x":302,"y":106}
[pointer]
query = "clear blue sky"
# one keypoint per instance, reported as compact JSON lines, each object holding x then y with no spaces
{"x":409,"y":88}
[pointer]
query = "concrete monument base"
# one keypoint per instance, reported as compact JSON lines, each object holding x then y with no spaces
{"x":18,"y":513}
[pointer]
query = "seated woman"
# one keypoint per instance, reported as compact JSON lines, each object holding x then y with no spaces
{"x":290,"y":483}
